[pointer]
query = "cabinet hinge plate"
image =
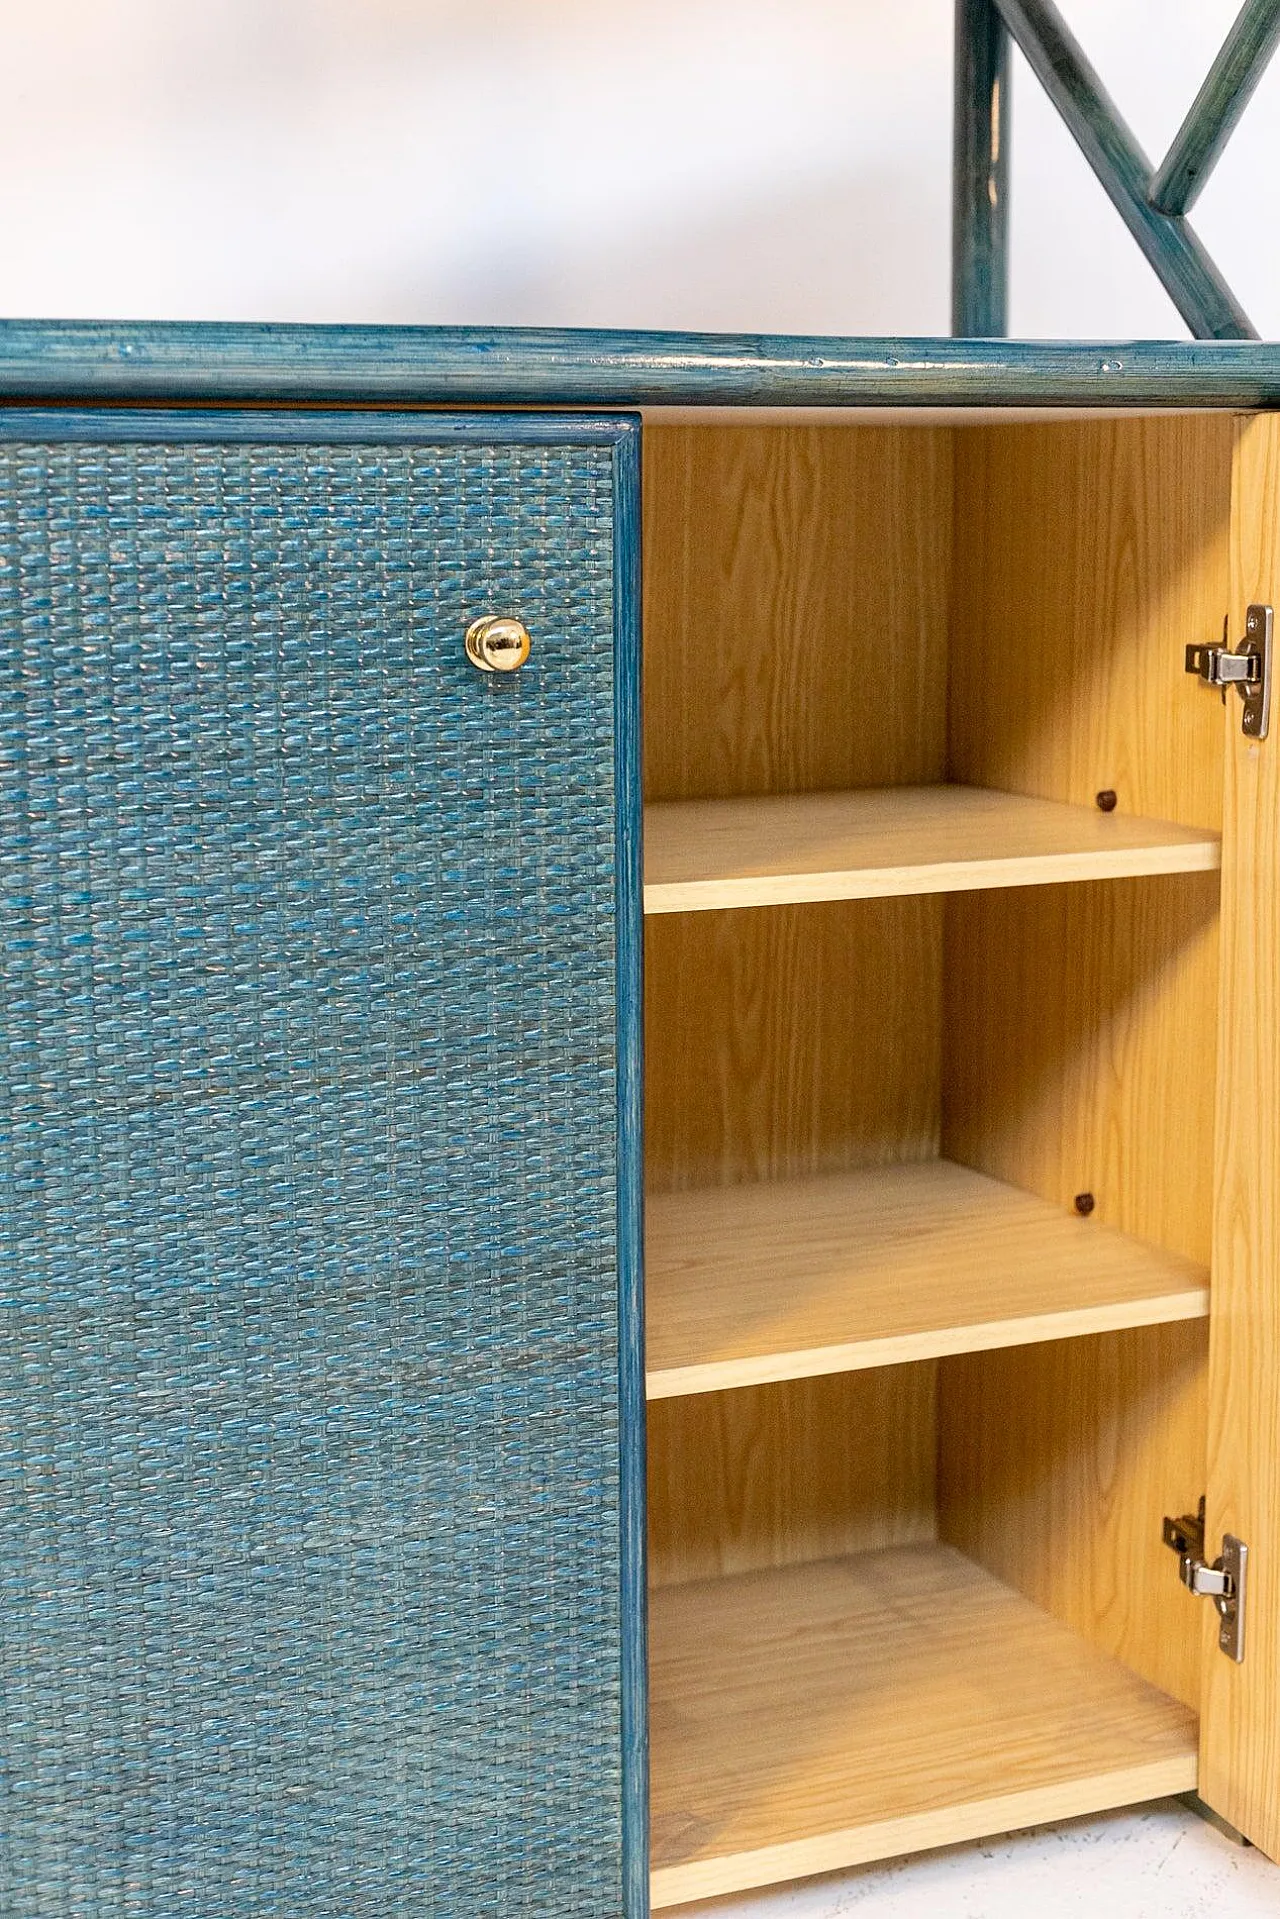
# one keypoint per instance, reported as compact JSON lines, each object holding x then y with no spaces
{"x":1224,"y":1581}
{"x":1247,"y":668}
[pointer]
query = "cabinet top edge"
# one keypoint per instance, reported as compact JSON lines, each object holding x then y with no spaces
{"x":306,"y":425}
{"x":88,"y":361}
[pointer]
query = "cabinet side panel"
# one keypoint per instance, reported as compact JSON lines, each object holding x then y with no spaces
{"x":1056,"y":1464}
{"x":1079,"y":1048}
{"x":1079,"y":1052}
{"x":1240,"y":1743}
{"x":796,"y":582}
{"x":791,"y":1040}
{"x":776,"y":1475}
{"x":1087,"y":554}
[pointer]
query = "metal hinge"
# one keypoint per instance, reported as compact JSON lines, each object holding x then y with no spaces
{"x":1223,"y":1581}
{"x":1248,"y":669}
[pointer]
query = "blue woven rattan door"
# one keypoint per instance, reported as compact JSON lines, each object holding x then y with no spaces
{"x":319,"y":1357}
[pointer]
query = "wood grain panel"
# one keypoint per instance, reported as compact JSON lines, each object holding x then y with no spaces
{"x":787,"y":1279}
{"x":785,"y":567}
{"x":704,"y":854}
{"x":791,"y":1040}
{"x":1240,"y":1744}
{"x":1057,"y":1464}
{"x":861,"y":1708}
{"x":775,"y":1475}
{"x":1087,"y":554}
{"x":796,"y":584}
{"x":1079,"y":1048}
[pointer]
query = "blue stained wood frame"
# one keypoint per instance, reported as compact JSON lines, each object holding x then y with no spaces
{"x":632,"y":1410}
{"x":322,"y":1384}
{"x":1214,"y":113}
{"x":1182,"y":265}
{"x":94,"y":361}
{"x":980,"y":173}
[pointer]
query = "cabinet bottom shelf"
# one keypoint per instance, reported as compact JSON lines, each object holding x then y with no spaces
{"x":824,"y":1715}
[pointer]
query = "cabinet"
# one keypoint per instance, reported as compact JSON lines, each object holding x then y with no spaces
{"x":961,"y":1106}
{"x":338,"y":1570}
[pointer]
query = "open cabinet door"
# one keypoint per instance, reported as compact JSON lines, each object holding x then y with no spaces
{"x":1240,"y":1728}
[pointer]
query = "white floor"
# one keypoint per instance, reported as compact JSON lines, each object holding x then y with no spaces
{"x":1155,"y":1862}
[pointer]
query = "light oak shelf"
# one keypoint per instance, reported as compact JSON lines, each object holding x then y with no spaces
{"x":747,"y":1284}
{"x":853,"y":1709}
{"x":702,"y":855}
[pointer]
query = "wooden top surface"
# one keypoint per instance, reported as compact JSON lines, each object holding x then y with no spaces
{"x":709,"y":854}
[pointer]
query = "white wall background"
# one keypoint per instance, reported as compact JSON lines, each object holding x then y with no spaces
{"x":742,"y":164}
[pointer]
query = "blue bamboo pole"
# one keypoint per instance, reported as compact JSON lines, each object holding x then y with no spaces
{"x":980,"y":174}
{"x":1181,"y":263}
{"x":1198,"y":144}
{"x":107,"y":364}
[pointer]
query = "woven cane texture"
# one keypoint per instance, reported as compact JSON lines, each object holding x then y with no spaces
{"x":308,"y":1306}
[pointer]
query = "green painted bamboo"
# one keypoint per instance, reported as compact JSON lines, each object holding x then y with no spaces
{"x":1198,"y":144}
{"x":1181,"y":263}
{"x":980,"y":174}
{"x":97,"y":362}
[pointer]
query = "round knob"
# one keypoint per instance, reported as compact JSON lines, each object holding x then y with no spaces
{"x":498,"y":643}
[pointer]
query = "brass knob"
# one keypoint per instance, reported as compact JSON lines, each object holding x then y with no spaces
{"x":498,"y":643}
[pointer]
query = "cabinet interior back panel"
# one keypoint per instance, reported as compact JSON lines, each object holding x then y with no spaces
{"x":791,"y":1040}
{"x":796,"y":596}
{"x":796,"y":591}
{"x":782,"y":1474}
{"x":797,"y":585}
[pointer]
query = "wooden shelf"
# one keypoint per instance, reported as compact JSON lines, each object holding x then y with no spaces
{"x":824,"y":1715}
{"x":747,"y":1284}
{"x":707,"y":854}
